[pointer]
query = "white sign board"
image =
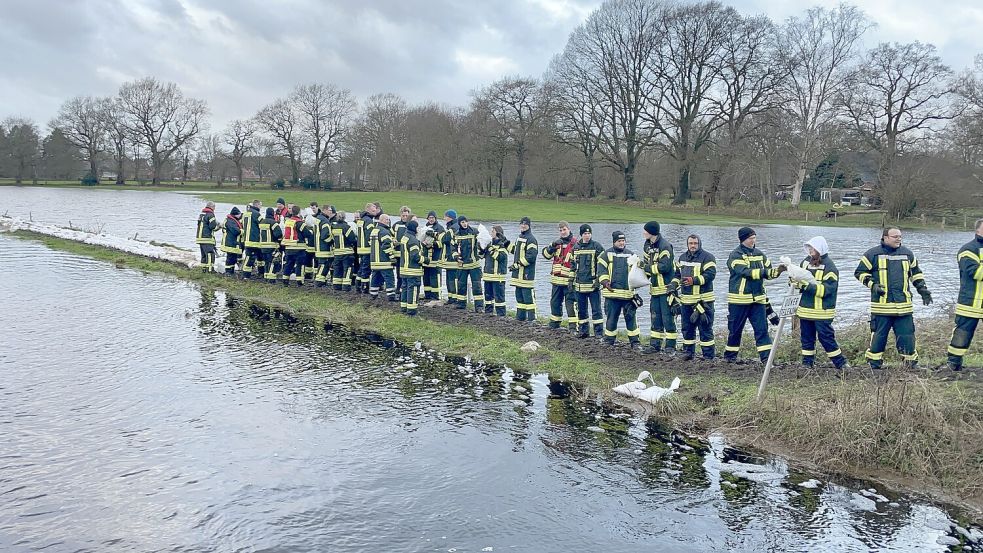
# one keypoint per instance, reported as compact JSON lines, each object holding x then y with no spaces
{"x":789,"y":305}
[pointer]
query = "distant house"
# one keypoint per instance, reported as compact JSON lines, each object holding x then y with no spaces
{"x":108,"y":175}
{"x":857,"y":195}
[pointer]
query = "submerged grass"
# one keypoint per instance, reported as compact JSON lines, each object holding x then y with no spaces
{"x":909,"y":424}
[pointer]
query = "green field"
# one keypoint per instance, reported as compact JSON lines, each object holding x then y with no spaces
{"x":575,"y":210}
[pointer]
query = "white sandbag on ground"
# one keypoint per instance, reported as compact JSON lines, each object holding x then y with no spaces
{"x":146,"y":249}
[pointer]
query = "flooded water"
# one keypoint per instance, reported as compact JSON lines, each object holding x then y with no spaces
{"x":140,"y":413}
{"x":170,"y":217}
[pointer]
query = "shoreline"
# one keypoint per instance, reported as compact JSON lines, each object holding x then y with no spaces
{"x":912,"y":413}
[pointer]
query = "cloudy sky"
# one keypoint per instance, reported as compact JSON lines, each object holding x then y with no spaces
{"x":239,"y":54}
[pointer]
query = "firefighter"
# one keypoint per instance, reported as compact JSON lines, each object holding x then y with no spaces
{"x":399,"y":230}
{"x":560,"y":254}
{"x":612,"y":271}
{"x":295,"y":232}
{"x":205,"y":236}
{"x":696,"y":269}
{"x":232,"y":240}
{"x":660,"y":267}
{"x":380,"y":258}
{"x":431,"y":258}
{"x":446,"y":243}
{"x":585,"y":256}
{"x":281,"y":212}
{"x":746,"y":300}
{"x":496,"y":256}
{"x":364,"y":224}
{"x":344,"y":245}
{"x":969,"y":302}
{"x":250,"y":229}
{"x":818,"y":304}
{"x":468,"y":265}
{"x":270,"y":236}
{"x":410,"y":268}
{"x":310,"y":252}
{"x":323,"y":246}
{"x":524,"y":250}
{"x":887,"y":269}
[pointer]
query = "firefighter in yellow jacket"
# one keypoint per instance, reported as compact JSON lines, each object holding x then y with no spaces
{"x":525,"y":249}
{"x":969,"y":302}
{"x":612,"y":273}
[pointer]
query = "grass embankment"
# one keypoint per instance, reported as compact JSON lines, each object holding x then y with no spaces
{"x":907,"y":426}
{"x":575,"y":210}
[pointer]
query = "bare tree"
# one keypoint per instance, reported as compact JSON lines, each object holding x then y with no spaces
{"x":611,"y":54}
{"x":896,"y":98}
{"x":384,"y":135}
{"x":816,"y":53}
{"x":325,"y":113}
{"x":517,"y":105}
{"x":281,"y":123}
{"x":239,"y":136}
{"x":110,"y":111}
{"x":159,"y":117}
{"x":748,"y":78}
{"x":577,"y":117}
{"x":81,"y":123}
{"x":687,"y":69}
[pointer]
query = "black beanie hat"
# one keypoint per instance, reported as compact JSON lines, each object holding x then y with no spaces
{"x":744,"y":233}
{"x":461,"y":218}
{"x":269,"y":212}
{"x":432,"y":214}
{"x":281,"y":201}
{"x":652,"y":227}
{"x":235,"y":211}
{"x":525,"y":221}
{"x":411,"y":226}
{"x":585,"y":228}
{"x":617,"y":235}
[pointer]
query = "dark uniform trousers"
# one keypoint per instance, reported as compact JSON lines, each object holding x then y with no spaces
{"x":266,"y":258}
{"x":380,"y":278}
{"x":495,"y":298}
{"x":230,"y":262}
{"x":823,"y":329}
{"x":250,"y":258}
{"x":613,"y":308}
{"x":590,"y":302}
{"x":431,"y":283}
{"x":207,"y":257}
{"x":452,"y":286}
{"x":525,"y":300}
{"x":904,"y":338}
{"x":364,"y":272}
{"x":962,"y":337}
{"x":561,"y":296}
{"x":293,"y":264}
{"x":739,"y":315}
{"x":663,"y":323}
{"x":462,"y":288}
{"x":342,"y":279}
{"x":408,"y":294}
{"x":705,"y":330}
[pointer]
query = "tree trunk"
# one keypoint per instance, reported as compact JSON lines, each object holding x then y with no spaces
{"x":710,"y":197}
{"x":239,"y":173}
{"x":158,"y":169}
{"x":520,"y":173}
{"x":591,"y":184}
{"x":682,"y":191}
{"x":93,"y":170}
{"x":629,"y":174}
{"x":120,"y":178}
{"x":800,"y":178}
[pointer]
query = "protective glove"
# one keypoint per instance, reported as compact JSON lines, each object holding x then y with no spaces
{"x":687,"y":281}
{"x":926,"y":296}
{"x":695,"y":317}
{"x":878,"y":290}
{"x":674,"y":305}
{"x":636,"y":300}
{"x":672,"y":287}
{"x":514,"y":267}
{"x":782,"y":268}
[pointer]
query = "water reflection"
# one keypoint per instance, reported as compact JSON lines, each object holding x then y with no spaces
{"x":217,"y":424}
